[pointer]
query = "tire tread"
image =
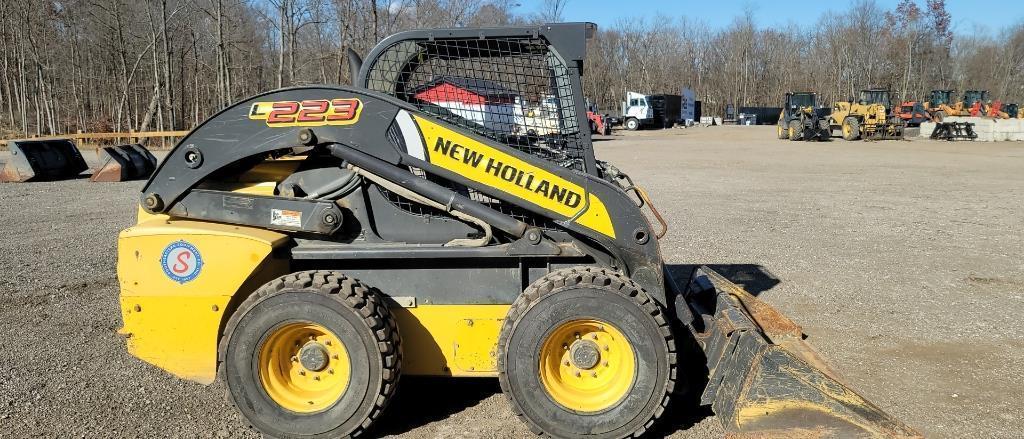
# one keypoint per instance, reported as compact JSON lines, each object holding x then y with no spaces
{"x":599,"y":278}
{"x":367,"y":302}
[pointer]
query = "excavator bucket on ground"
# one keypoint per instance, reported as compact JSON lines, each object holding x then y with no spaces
{"x":42,"y":160}
{"x":764,"y":379}
{"x":311,"y":245}
{"x":124,"y":163}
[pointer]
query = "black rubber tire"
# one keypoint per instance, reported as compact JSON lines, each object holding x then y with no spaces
{"x":356,"y":313}
{"x":632,"y":124}
{"x":824,"y":131}
{"x":587,"y":292}
{"x":796,"y":129}
{"x":854,"y":131}
{"x":782,"y":132}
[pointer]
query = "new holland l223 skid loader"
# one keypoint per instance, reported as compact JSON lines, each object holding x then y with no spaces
{"x":312,"y":245}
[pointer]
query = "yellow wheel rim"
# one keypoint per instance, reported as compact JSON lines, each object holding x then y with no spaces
{"x":846,"y":129}
{"x":780,"y":131}
{"x":792,"y":132}
{"x":304,"y":367}
{"x":587,"y":365}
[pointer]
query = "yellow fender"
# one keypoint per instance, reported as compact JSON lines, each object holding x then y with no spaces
{"x":174,"y":322}
{"x":177,"y":282}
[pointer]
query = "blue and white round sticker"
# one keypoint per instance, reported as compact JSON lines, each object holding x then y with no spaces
{"x":181,"y":262}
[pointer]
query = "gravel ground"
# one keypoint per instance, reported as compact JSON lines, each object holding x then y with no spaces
{"x":902,"y":260}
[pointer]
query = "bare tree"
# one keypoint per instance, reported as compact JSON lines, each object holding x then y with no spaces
{"x":101,"y":65}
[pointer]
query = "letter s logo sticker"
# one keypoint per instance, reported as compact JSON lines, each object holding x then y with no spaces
{"x":181,"y":262}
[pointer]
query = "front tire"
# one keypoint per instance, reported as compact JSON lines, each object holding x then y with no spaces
{"x":851,"y":129}
{"x":781,"y":132}
{"x":585,"y":353}
{"x":632,"y":124}
{"x":311,"y":354}
{"x":796,"y":130}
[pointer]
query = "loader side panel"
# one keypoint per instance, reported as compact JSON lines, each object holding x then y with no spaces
{"x":177,"y":282}
{"x":450,"y":340}
{"x":476,"y":161}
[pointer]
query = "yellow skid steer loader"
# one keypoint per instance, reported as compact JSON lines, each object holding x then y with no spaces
{"x":312,"y":245}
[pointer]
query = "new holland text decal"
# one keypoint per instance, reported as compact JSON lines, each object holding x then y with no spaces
{"x":507,"y":173}
{"x":307,"y":113}
{"x":181,"y":262}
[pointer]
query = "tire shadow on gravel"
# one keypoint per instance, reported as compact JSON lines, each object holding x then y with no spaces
{"x":423,"y":400}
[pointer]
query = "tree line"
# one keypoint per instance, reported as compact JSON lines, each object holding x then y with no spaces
{"x":115,"y":65}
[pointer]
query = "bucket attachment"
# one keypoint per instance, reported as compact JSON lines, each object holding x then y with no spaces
{"x":889,"y":130}
{"x":764,"y":380}
{"x":816,"y":133}
{"x":954,"y":131}
{"x":123,"y":163}
{"x":41,"y":160}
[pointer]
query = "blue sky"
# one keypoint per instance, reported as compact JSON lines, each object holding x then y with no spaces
{"x":968,"y":15}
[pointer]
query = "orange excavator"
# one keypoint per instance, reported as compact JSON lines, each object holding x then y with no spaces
{"x":913,"y":113}
{"x":998,"y":110}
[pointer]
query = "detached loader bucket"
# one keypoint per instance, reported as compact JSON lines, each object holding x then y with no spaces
{"x":41,"y":160}
{"x":765,"y":380}
{"x":123,"y":163}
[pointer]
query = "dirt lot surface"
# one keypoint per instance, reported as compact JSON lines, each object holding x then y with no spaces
{"x":902,"y":260}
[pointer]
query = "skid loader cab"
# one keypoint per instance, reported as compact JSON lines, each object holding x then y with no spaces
{"x":941,"y":104}
{"x":1012,"y":110}
{"x":972,"y":97}
{"x":941,"y":97}
{"x":311,"y":245}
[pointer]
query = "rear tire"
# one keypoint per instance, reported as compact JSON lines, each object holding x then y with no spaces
{"x":851,"y":129}
{"x":350,"y":356}
{"x":632,"y":124}
{"x":612,"y":380}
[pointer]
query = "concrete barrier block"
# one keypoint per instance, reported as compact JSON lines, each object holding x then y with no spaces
{"x":926,"y":129}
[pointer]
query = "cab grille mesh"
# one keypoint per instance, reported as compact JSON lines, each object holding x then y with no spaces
{"x":512,"y":90}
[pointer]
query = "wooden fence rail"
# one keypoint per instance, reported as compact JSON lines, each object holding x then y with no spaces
{"x":80,"y":137}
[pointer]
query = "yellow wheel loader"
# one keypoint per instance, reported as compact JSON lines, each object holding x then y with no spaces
{"x":311,"y":246}
{"x":869,"y":118}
